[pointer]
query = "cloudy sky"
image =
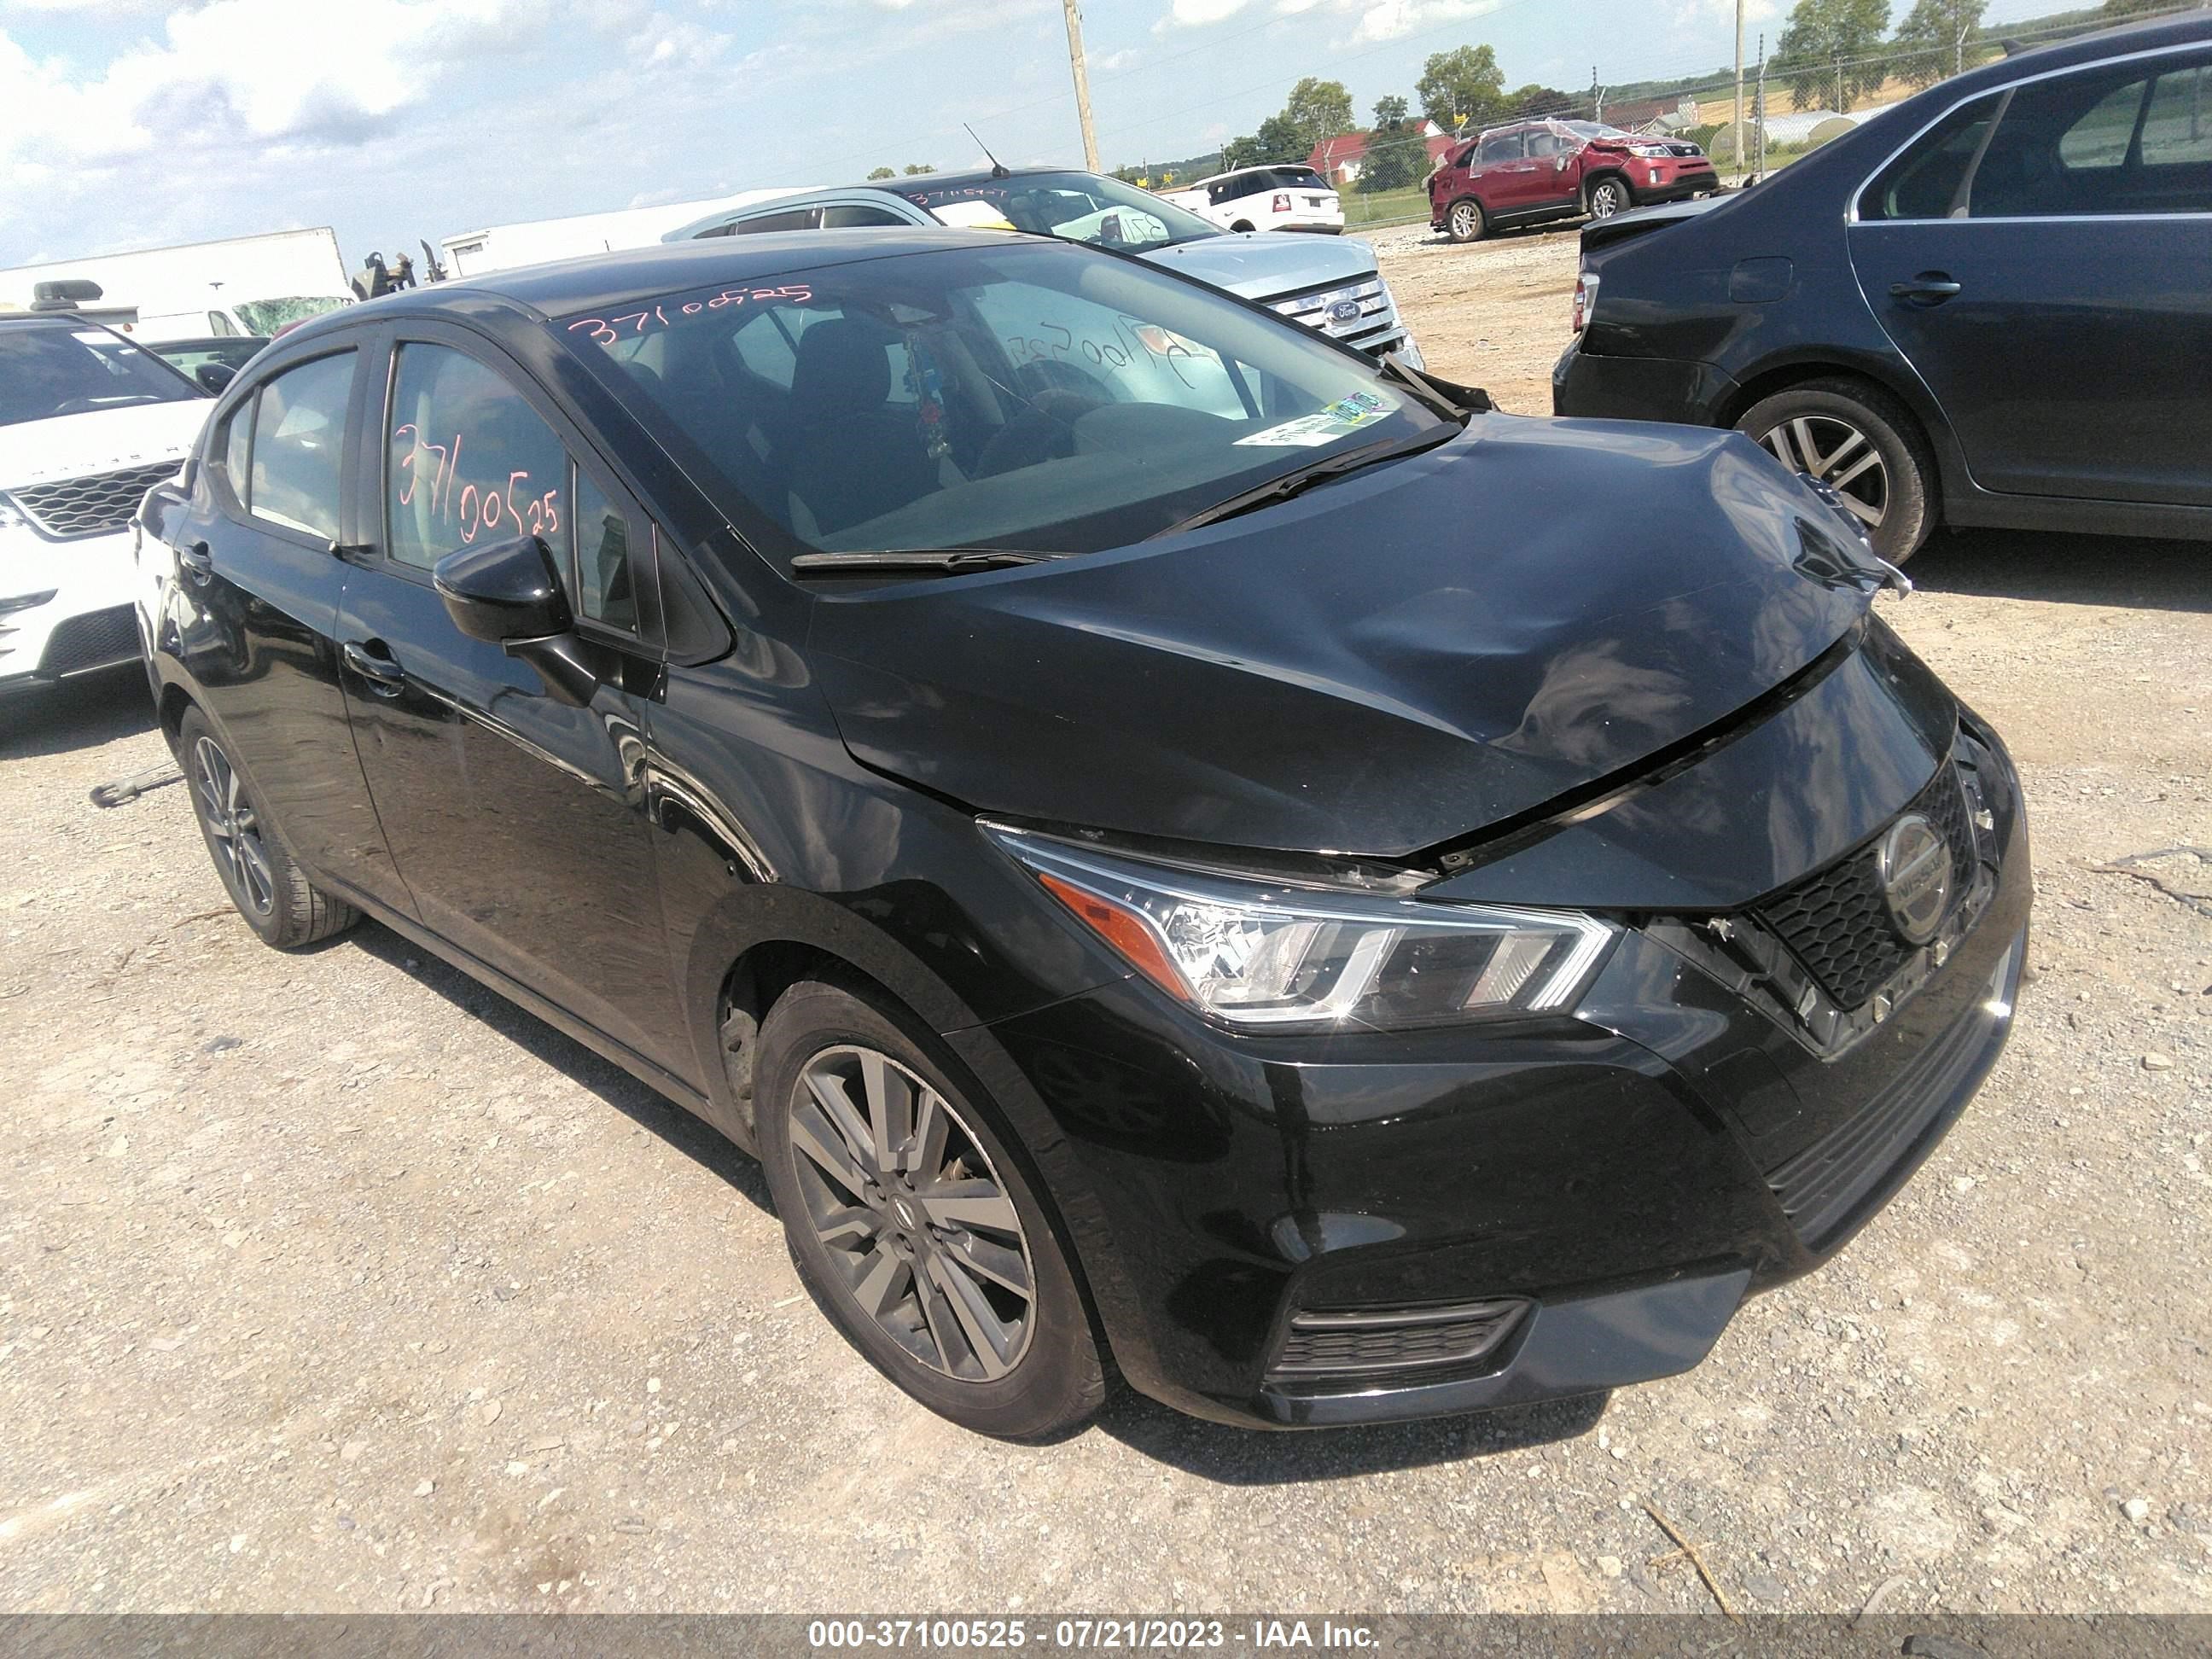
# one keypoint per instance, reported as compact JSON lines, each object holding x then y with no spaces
{"x":129,"y":123}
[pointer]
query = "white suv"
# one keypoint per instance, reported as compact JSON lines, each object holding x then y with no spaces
{"x":88,"y":423}
{"x":1283,"y":197}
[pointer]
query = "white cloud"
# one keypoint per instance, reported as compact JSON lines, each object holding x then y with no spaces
{"x":1198,"y":14}
{"x":1693,"y":14}
{"x":1388,"y":20}
{"x":253,"y":71}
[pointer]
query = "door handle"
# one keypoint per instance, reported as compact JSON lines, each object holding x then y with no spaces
{"x":373,"y":662}
{"x":1930,"y":288}
{"x":197,"y":561}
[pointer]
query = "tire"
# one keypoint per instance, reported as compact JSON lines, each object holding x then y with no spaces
{"x":1610,"y":195}
{"x":1243,"y":227}
{"x":946,"y":1315}
{"x":1465,"y":221}
{"x":1828,"y":427}
{"x":277,"y":902}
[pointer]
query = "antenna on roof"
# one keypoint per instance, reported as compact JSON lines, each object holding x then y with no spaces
{"x":998,"y":167}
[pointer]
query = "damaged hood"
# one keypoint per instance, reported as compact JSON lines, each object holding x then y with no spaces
{"x":1392,"y":661}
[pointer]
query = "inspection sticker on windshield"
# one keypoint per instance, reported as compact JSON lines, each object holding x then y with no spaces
{"x":1324,"y":425}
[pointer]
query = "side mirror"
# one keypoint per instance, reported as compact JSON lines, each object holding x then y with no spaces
{"x":508,"y":593}
{"x":214,"y":377}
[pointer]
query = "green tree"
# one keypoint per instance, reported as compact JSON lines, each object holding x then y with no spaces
{"x":1935,"y":38}
{"x":1828,"y":52}
{"x":1535,"y":102}
{"x":1462,"y":86}
{"x":1318,"y":110}
{"x":1395,"y":156}
{"x":1281,"y":139}
{"x":881,"y":173}
{"x":914,"y":168}
{"x":1240,"y":153}
{"x":2119,"y":8}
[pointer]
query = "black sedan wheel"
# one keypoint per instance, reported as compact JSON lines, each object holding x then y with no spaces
{"x":1609,"y":196}
{"x":278,"y":901}
{"x":912,"y":1227}
{"x":1465,"y":222}
{"x":1856,"y":440}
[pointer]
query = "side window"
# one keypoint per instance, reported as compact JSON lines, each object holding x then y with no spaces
{"x":237,"y":451}
{"x":1545,"y":144}
{"x":1503,"y":146}
{"x":852,"y":216}
{"x":2178,"y":126}
{"x":2112,"y":140}
{"x":1923,"y":183}
{"x":605,"y":592}
{"x":468,"y":458}
{"x":297,"y":445}
{"x":795,"y":219}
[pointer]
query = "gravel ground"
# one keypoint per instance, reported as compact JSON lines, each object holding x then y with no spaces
{"x":333,"y":1282}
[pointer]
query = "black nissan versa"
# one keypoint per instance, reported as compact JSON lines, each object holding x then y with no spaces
{"x":1184,"y":849}
{"x":1988,"y":305}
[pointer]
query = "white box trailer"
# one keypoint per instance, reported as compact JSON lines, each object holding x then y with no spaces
{"x":238,"y":285}
{"x":536,"y":241}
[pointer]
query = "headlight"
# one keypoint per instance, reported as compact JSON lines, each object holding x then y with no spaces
{"x":1650,"y":152}
{"x":1275,"y":955}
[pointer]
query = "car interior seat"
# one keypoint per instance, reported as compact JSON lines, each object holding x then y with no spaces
{"x":851,"y":457}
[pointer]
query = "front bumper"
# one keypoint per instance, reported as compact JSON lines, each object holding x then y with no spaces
{"x":81,"y":614}
{"x":1658,"y":182}
{"x":1611,"y":1186}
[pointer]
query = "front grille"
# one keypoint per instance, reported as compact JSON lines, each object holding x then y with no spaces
{"x":1827,"y":1187}
{"x":1837,"y":922}
{"x":90,"y":506}
{"x":98,"y":639}
{"x":1376,"y":328}
{"x":1371,"y":1342}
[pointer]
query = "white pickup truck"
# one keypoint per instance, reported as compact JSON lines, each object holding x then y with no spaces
{"x":89,"y":421}
{"x":1331,"y":287}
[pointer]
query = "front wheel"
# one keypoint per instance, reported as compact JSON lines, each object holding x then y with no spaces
{"x":1465,"y":222}
{"x":1862,"y":443}
{"x":913,"y":1227}
{"x":1609,"y":196}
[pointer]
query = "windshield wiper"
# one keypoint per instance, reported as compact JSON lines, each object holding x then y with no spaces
{"x":1300,"y":479}
{"x":1453,"y":402}
{"x":940,"y":560}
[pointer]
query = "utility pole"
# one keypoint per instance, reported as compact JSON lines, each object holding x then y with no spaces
{"x":1842,"y":108}
{"x":1736,"y":154}
{"x":1597,"y":98}
{"x":1959,"y":31}
{"x":1082,"y":82}
{"x":1759,"y":109}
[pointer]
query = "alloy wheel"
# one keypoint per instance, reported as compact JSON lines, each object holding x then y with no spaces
{"x":234,"y":828}
{"x":1839,"y":455}
{"x":1606,"y":201}
{"x":1463,"y":221}
{"x":923,"y":1234}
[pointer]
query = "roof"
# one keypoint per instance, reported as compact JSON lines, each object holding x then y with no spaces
{"x":600,"y":280}
{"x":1331,"y":154}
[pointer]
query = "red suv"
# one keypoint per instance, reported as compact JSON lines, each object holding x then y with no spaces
{"x":1549,"y":169}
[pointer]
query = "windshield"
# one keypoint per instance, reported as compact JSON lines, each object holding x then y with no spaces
{"x":265,"y":316}
{"x":1015,"y":395}
{"x":1076,"y":207}
{"x":48,"y":369}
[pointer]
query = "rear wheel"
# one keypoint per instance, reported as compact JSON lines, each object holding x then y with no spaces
{"x":1861,"y":442}
{"x":1610,"y":196}
{"x":278,"y":902}
{"x":1243,"y":225}
{"x":912,"y":1225}
{"x":1465,"y":222}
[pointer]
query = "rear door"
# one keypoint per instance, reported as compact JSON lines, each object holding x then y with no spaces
{"x":1555,"y":181}
{"x":519,"y":823}
{"x":1505,"y":178}
{"x":2039,"y":258}
{"x":253,"y":613}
